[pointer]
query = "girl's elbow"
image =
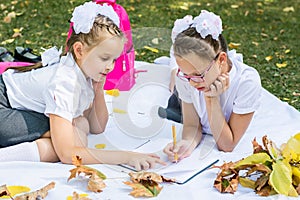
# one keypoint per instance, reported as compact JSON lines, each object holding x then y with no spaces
{"x":65,"y":157}
{"x":226,"y":148}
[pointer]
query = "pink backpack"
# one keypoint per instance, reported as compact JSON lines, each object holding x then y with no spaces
{"x":122,"y":77}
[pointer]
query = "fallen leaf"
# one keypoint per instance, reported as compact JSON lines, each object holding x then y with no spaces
{"x":281,"y":65}
{"x":139,"y":190}
{"x":234,"y":6}
{"x":96,"y":184}
{"x":255,"y":43}
{"x":17,"y":35}
{"x":287,"y":51}
{"x":88,"y":171}
{"x":17,"y":189}
{"x":113,"y":92}
{"x":7,"y":19}
{"x":155,"y":41}
{"x":41,"y":193}
{"x":297,"y":94}
{"x":154,"y":50}
{"x":8,"y":41}
{"x":77,"y":196}
{"x":234,"y":45}
{"x":268,"y":58}
{"x":120,"y":111}
{"x":288,"y":9}
{"x":4,"y":193}
{"x":100,"y":146}
{"x":146,"y":184}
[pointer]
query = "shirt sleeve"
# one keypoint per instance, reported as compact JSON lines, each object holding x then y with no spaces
{"x":248,"y":97}
{"x":61,"y":97}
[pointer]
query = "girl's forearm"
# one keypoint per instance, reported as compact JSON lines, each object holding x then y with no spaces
{"x":218,"y":125}
{"x":192,"y":134}
{"x":96,"y":156}
{"x":98,"y":116}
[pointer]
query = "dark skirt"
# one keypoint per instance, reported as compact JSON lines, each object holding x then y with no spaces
{"x":17,"y":126}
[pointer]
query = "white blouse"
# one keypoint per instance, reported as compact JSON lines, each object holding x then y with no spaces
{"x":243,"y":95}
{"x":60,"y":89}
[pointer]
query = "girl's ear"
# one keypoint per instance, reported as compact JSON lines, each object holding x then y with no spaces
{"x":222,"y":57}
{"x":78,"y":50}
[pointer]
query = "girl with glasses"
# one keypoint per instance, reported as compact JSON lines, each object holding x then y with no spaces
{"x":219,"y":93}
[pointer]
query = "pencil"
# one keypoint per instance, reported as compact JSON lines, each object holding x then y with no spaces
{"x":174,"y":141}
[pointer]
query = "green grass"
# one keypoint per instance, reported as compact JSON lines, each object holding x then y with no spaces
{"x":260,"y":26}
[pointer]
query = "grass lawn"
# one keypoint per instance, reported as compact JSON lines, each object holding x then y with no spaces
{"x":265,"y":31}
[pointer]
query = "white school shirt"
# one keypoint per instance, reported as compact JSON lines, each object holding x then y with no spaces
{"x":60,"y":89}
{"x":243,"y":95}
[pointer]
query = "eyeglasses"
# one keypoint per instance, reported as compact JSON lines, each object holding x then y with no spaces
{"x":198,"y":78}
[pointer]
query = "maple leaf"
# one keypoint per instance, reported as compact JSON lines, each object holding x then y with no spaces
{"x":96,"y":183}
{"x":88,"y":171}
{"x":144,"y":190}
{"x":96,"y":178}
{"x":146,"y":184}
{"x":41,"y":193}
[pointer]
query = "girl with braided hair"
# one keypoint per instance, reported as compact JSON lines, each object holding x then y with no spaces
{"x":47,"y":112}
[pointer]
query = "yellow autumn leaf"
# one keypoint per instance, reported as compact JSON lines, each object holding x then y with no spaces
{"x":234,"y":6}
{"x":18,"y":30}
{"x":120,"y":111}
{"x":289,"y":9}
{"x":287,"y":51}
{"x":16,"y":189}
{"x":268,"y":58}
{"x":234,"y":45}
{"x":281,"y":65}
{"x":257,"y":158}
{"x":281,"y":178}
{"x":154,"y":50}
{"x":8,"y":41}
{"x":113,"y":92}
{"x":100,"y":146}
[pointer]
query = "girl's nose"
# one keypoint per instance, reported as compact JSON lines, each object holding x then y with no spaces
{"x":110,"y":67}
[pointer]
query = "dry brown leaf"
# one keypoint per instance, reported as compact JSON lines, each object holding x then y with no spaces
{"x":88,"y":171}
{"x":96,"y":184}
{"x":4,"y":191}
{"x":257,"y":148}
{"x":7,"y":19}
{"x":146,"y":184}
{"x":17,"y":35}
{"x":140,"y":190}
{"x":96,"y":178}
{"x":41,"y":193}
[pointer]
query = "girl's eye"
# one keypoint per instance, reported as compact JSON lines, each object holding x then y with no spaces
{"x":104,"y":59}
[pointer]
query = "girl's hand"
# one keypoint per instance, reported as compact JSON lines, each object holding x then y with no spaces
{"x":219,"y":86}
{"x":98,"y":85}
{"x":143,"y":161}
{"x":183,"y":148}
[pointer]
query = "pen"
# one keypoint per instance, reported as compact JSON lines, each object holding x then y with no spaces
{"x":174,"y":142}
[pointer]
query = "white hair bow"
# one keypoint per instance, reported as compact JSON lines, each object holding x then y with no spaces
{"x":83,"y":16}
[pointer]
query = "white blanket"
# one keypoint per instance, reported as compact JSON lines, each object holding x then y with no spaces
{"x":276,"y":119}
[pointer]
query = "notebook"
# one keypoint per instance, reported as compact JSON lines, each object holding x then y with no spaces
{"x":182,"y":171}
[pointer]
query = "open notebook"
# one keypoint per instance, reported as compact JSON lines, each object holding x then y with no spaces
{"x":182,"y":171}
